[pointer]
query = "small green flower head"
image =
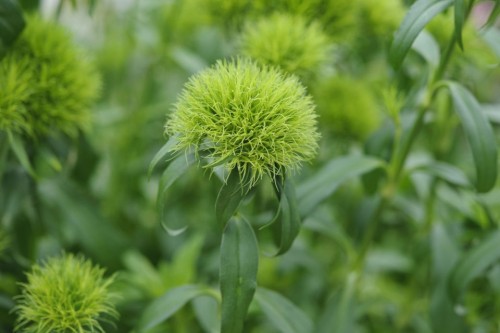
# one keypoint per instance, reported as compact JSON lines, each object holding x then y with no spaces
{"x":247,"y":117}
{"x":286,"y":41}
{"x":64,"y":295}
{"x":381,"y":18}
{"x":347,"y":107}
{"x":46,"y":83}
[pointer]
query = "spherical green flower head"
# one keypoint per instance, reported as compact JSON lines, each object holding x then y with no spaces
{"x":347,"y":107}
{"x":65,"y":294}
{"x":286,"y":41}
{"x":381,"y":18}
{"x":49,"y":84}
{"x":251,"y":118}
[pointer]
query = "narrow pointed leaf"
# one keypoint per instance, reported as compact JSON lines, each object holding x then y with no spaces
{"x":238,"y":273}
{"x":494,"y":14}
{"x":230,"y":196}
{"x":446,"y":172}
{"x":474,"y":263}
{"x":162,"y":154}
{"x":20,"y":152}
{"x":320,"y":186}
{"x":165,"y":306}
{"x":170,"y":175}
{"x":289,"y":216}
{"x":428,"y":48}
{"x":284,"y":315}
{"x":420,"y":13}
{"x":460,"y":16}
{"x":11,"y":24}
{"x":479,"y":134}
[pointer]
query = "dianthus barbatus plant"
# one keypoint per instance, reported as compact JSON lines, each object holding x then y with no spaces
{"x":64,"y":295}
{"x":252,"y":121}
{"x":47,"y":84}
{"x":287,"y":41}
{"x":249,"y":118}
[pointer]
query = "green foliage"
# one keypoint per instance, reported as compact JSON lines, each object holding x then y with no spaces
{"x":288,"y":42}
{"x":347,"y":107}
{"x":49,"y":85}
{"x":65,"y":294}
{"x":246,"y":117}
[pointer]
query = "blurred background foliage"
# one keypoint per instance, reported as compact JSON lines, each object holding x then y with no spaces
{"x":91,"y":193}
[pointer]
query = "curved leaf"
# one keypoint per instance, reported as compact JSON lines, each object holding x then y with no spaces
{"x":289,"y":216}
{"x":460,"y":16}
{"x":239,"y":259}
{"x":320,"y":186}
{"x":11,"y":24}
{"x":446,"y":172}
{"x":285,"y":316}
{"x":427,"y":47}
{"x":170,"y":175}
{"x":473,"y":263}
{"x":479,"y":134}
{"x":495,"y":12}
{"x":161,"y":154}
{"x":165,"y":306}
{"x":420,"y":13}
{"x":229,"y":198}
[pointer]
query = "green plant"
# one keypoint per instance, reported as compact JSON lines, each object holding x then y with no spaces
{"x":288,"y":42}
{"x":65,"y":294}
{"x":251,"y":119}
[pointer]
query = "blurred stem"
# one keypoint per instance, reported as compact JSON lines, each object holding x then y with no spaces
{"x":401,"y":154}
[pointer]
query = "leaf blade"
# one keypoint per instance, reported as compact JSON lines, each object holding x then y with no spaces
{"x":285,"y":316}
{"x":165,"y":306}
{"x":420,"y":13}
{"x":238,"y":273}
{"x":479,"y":134}
{"x":317,"y":188}
{"x":11,"y":24}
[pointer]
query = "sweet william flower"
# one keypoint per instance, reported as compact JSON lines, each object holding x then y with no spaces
{"x":287,"y":41}
{"x":47,"y":84}
{"x":65,"y":294}
{"x":250,"y":118}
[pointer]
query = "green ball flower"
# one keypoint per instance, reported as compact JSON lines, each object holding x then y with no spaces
{"x":48,"y":85}
{"x":65,"y":294}
{"x":288,"y":42}
{"x":247,"y":117}
{"x":347,"y":107}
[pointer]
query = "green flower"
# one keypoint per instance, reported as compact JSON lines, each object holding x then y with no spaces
{"x":288,"y":42}
{"x":381,"y":18}
{"x":247,"y":117}
{"x":48,"y":85}
{"x":65,"y":294}
{"x":347,"y":107}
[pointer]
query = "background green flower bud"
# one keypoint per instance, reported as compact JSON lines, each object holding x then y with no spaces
{"x":286,"y":41}
{"x":346,"y":107}
{"x":65,"y":294}
{"x":50,"y":86}
{"x":251,"y":118}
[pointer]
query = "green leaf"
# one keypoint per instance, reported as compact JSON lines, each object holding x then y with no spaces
{"x":321,"y":185}
{"x":494,"y":14}
{"x":239,"y":259}
{"x":289,"y":216}
{"x":284,"y":315}
{"x":162,"y":154}
{"x":20,"y":152}
{"x":11,"y":24}
{"x":446,"y":172}
{"x":474,"y":263}
{"x":165,"y":306}
{"x":229,"y":198}
{"x":206,"y":310}
{"x":170,"y":175}
{"x":420,"y":13}
{"x":460,"y":17}
{"x":427,"y":47}
{"x":479,"y":134}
